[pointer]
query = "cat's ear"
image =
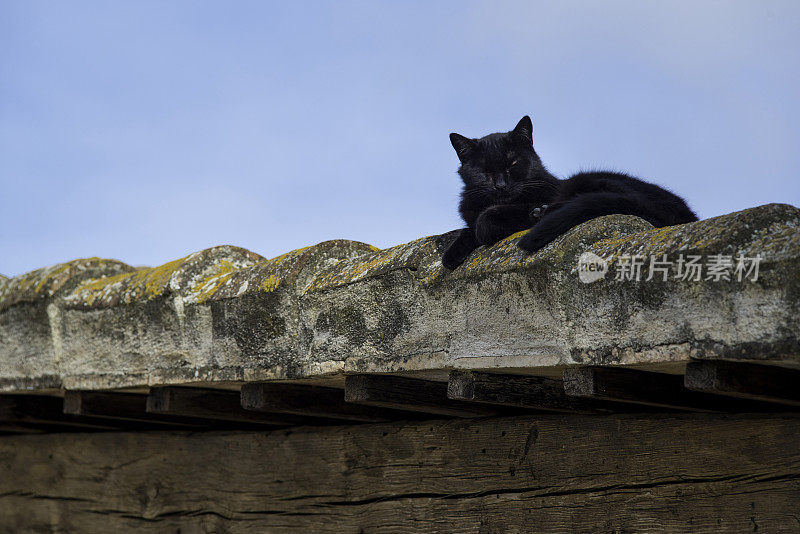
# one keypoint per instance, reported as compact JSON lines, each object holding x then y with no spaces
{"x":524,"y":130}
{"x":463,"y":145}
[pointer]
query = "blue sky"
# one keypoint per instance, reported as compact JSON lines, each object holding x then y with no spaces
{"x":146,"y":130}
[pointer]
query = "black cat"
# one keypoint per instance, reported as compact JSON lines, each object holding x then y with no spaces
{"x":507,"y":189}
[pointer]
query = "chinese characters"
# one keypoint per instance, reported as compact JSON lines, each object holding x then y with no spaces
{"x":691,"y":267}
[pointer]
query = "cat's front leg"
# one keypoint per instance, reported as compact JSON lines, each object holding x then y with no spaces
{"x":554,"y":222}
{"x":562,"y":216}
{"x":500,"y":221}
{"x":461,"y":247}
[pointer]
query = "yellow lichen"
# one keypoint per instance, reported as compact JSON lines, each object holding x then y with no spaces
{"x":209,"y":286}
{"x":285,"y":256}
{"x":205,"y":289}
{"x":270,"y":283}
{"x":151,"y":282}
{"x":155,"y":280}
{"x":51,"y":275}
{"x":96,"y":284}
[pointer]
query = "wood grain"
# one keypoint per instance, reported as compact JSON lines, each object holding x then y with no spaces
{"x":214,"y":404}
{"x":548,"y":473}
{"x":410,"y":394}
{"x":520,"y":391}
{"x":122,"y":406}
{"x":745,"y":381}
{"x":43,"y":413}
{"x":662,"y":390}
{"x":314,"y":401}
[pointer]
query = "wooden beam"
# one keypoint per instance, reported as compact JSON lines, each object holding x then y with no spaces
{"x":411,"y":394}
{"x":745,"y":381}
{"x":660,"y":390}
{"x":123,"y":406}
{"x":521,"y":391}
{"x":7,"y":429}
{"x":215,"y":404}
{"x":679,"y":472}
{"x":314,"y":401}
{"x":43,"y":412}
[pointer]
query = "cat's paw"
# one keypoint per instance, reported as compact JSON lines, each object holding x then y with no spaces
{"x":487,"y":230}
{"x":537,"y":213}
{"x":453,"y":257}
{"x":535,"y":240}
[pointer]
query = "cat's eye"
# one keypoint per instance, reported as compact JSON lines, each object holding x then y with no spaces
{"x":514,"y":162}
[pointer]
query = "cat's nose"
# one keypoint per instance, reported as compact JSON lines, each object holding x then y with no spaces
{"x":500,"y":182}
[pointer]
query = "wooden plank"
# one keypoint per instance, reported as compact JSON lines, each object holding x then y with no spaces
{"x":410,"y":394}
{"x":544,"y":473}
{"x":217,"y":405}
{"x":10,"y":428}
{"x":44,"y":413}
{"x":521,"y":391}
{"x":745,"y":381}
{"x":123,"y":406}
{"x":54,"y":428}
{"x":646,"y":388}
{"x":315,"y":401}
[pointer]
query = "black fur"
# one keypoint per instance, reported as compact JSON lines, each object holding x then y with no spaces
{"x":507,"y":189}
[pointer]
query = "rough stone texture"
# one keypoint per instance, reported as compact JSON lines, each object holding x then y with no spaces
{"x":226,"y":314}
{"x":28,"y":308}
